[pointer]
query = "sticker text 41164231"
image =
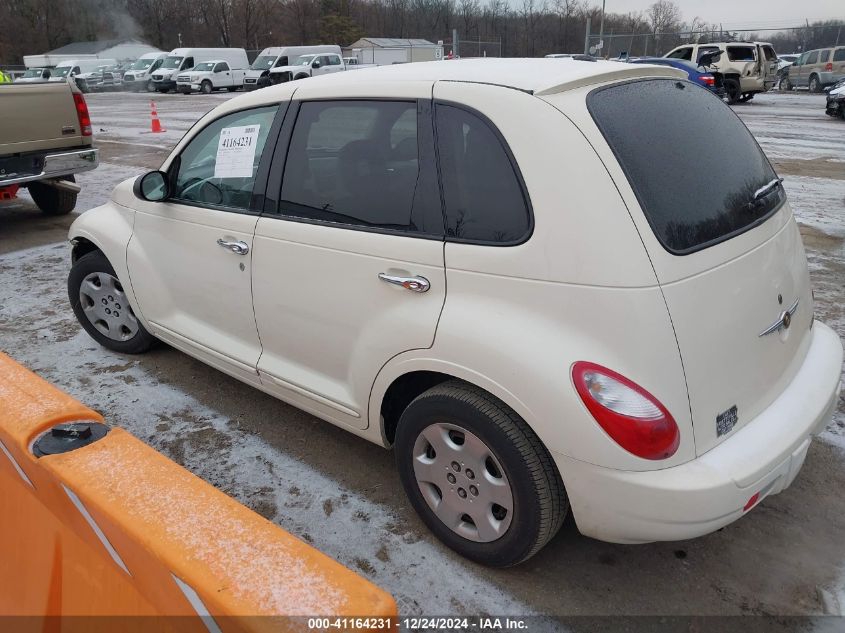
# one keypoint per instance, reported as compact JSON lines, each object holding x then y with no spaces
{"x":236,"y":151}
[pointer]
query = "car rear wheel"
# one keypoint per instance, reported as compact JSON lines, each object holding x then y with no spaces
{"x":815,"y":84}
{"x":151,"y":86}
{"x":102,"y":307}
{"x":478,"y":476}
{"x":785,"y":84}
{"x":52,"y":200}
{"x":732,"y":90}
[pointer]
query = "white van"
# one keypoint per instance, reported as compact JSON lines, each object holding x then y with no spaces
{"x":76,"y":67}
{"x":139,"y":75}
{"x":179,"y":59}
{"x":258,"y":75}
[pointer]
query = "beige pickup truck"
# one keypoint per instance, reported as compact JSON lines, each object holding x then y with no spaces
{"x":45,"y":138}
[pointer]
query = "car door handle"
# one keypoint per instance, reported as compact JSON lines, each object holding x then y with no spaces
{"x":415,"y":284}
{"x":239,"y":248}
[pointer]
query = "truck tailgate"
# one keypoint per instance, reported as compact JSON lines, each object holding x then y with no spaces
{"x":50,"y":122}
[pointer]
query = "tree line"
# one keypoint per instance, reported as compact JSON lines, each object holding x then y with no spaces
{"x":516,"y":28}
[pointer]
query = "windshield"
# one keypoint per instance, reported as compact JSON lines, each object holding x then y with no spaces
{"x":698,"y":174}
{"x":204,"y":66}
{"x":172,"y":62}
{"x":304,"y":60}
{"x":142,"y":64}
{"x":265,"y":62}
{"x":61,"y":71}
{"x":32,"y":73}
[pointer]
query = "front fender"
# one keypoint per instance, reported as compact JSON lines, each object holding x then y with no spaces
{"x":109,"y":227}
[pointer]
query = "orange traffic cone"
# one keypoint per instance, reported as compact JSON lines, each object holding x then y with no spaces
{"x":155,"y":127}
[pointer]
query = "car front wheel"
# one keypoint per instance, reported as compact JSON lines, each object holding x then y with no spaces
{"x":815,"y":84}
{"x":102,"y":307}
{"x":478,"y":476}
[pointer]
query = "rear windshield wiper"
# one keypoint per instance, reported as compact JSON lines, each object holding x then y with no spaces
{"x":765,"y":189}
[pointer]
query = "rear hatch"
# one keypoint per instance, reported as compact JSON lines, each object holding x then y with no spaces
{"x":725,"y":248}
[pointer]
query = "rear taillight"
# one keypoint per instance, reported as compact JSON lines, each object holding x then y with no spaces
{"x":82,"y":114}
{"x":629,"y":414}
{"x":828,"y":66}
{"x":708,"y":80}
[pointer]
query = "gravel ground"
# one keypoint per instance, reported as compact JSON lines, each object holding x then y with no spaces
{"x":342,"y":494}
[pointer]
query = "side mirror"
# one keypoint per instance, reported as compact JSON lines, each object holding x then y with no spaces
{"x":316,"y":63}
{"x":152,"y":187}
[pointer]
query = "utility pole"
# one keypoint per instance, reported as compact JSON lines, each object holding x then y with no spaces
{"x":587,"y":37}
{"x":601,"y":28}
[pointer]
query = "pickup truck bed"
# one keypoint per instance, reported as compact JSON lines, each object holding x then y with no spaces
{"x":45,"y":138}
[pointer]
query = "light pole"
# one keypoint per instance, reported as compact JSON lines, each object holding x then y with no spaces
{"x":601,"y":27}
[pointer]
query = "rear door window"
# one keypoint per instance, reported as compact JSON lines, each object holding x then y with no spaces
{"x":693,"y":165}
{"x":357,"y":163}
{"x":812,"y":58}
{"x":741,"y":53}
{"x":483,"y":195}
{"x":704,"y":50}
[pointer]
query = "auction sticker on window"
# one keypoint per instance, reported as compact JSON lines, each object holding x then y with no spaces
{"x":236,"y":151}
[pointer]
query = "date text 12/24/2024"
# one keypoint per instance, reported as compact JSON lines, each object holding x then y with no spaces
{"x":419,"y":623}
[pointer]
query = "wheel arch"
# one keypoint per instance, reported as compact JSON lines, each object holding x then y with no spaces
{"x":403,"y":379}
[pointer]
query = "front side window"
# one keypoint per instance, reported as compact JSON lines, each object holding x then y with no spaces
{"x":697,"y":172}
{"x":769,"y":53}
{"x":741,"y":53}
{"x":356,"y":163}
{"x":218,"y":166}
{"x":221,"y":67}
{"x":812,"y":58}
{"x":482,"y":193}
{"x":189,"y":63}
{"x":282,"y":61}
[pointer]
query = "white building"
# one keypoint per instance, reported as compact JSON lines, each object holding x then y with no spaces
{"x":120,"y":49}
{"x":389,"y":50}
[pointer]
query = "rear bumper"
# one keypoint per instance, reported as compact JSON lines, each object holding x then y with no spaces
{"x":763,"y":457}
{"x":59,"y":164}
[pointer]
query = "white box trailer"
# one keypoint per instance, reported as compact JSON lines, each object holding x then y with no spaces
{"x":181,"y":59}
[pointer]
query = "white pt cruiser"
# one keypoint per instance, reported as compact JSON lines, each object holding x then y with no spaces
{"x":547,"y":284}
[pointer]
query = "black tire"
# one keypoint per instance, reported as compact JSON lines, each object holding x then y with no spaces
{"x":732,"y":91}
{"x":232,"y":88}
{"x":150,"y":86}
{"x":785,"y":84}
{"x":815,"y":85}
{"x":96,"y":262}
{"x":539,"y":499}
{"x":206,"y":88}
{"x":53,"y":201}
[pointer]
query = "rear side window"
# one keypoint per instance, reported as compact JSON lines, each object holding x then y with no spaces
{"x":839,"y":55}
{"x":740,"y":53}
{"x":483,"y":196}
{"x":693,"y":165}
{"x":704,"y":50}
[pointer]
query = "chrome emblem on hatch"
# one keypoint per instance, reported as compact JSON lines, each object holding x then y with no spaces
{"x":783,"y":321}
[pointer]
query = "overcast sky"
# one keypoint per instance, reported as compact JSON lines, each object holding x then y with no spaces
{"x":743,"y":13}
